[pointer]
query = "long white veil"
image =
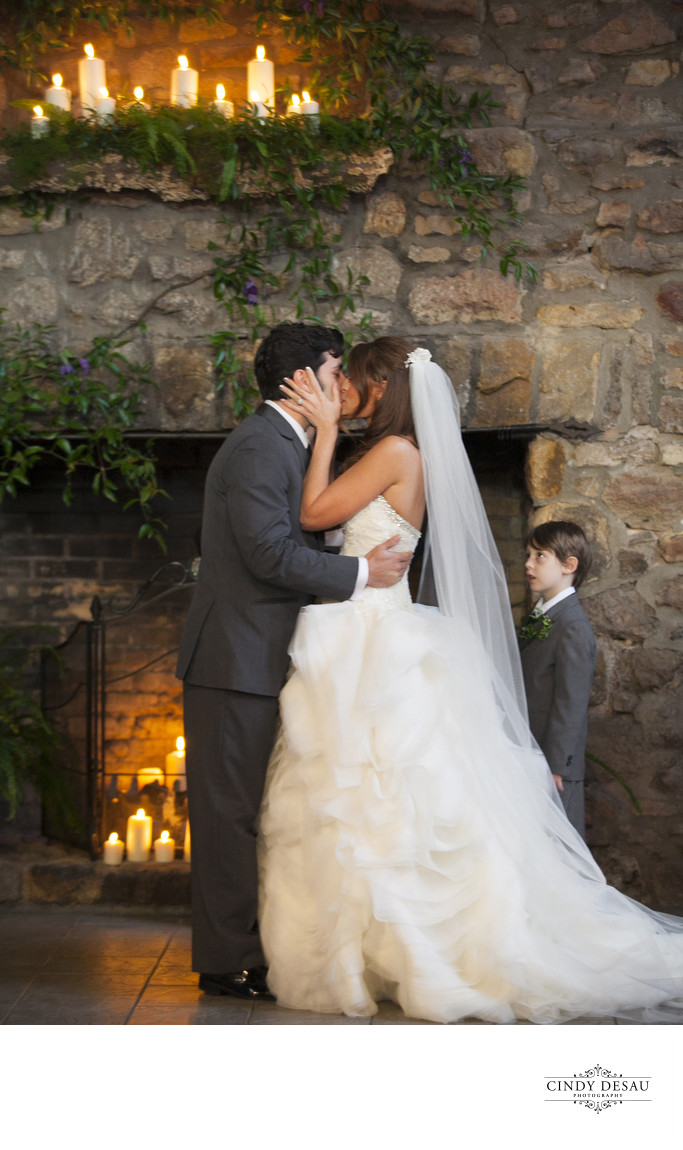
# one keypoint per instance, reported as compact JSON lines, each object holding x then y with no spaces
{"x":461,"y":555}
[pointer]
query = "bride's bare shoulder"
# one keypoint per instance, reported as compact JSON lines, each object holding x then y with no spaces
{"x":398,"y":447}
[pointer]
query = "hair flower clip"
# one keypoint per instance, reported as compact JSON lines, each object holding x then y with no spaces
{"x":420,"y":355}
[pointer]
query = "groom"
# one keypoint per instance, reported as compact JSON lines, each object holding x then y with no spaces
{"x":258,"y":569}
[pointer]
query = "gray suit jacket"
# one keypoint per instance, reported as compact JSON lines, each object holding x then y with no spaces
{"x":558,"y":673}
{"x":258,"y":567}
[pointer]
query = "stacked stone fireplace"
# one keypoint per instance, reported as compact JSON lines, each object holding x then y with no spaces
{"x":570,"y":387}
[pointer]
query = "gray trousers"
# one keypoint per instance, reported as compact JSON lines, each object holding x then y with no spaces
{"x":573,"y":802}
{"x":229,"y":738}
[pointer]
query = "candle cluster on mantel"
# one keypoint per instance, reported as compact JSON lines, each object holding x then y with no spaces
{"x":96,"y":103}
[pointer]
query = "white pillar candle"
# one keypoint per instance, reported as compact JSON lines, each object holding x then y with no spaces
{"x":261,"y":79}
{"x":258,"y":106}
{"x":308,"y":107}
{"x":139,"y":93}
{"x":113,"y":850}
{"x":91,"y":77}
{"x":225,"y":107}
{"x":40,"y":125}
{"x":139,"y":837}
{"x":106,"y":106}
{"x":60,"y":97}
{"x":150,"y":775}
{"x":184,"y":83}
{"x":175,"y":765}
{"x":294,"y":108}
{"x":164,"y":848}
{"x":187,"y":846}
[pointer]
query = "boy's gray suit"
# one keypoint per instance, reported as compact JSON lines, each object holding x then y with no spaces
{"x":558,"y":673}
{"x":258,"y":568}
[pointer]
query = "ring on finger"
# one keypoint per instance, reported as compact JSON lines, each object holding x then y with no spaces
{"x":300,"y":401}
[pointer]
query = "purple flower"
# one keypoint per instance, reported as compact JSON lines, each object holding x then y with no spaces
{"x":85,"y":365}
{"x":65,"y":369}
{"x":321,"y":8}
{"x":307,"y":5}
{"x":251,"y":292}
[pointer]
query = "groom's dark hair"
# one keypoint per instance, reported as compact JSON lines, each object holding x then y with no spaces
{"x":291,"y":346}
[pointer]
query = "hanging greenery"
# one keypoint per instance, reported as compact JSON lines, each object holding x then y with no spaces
{"x":277,"y":176}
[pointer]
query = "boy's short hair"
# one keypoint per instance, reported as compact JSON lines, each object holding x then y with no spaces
{"x":564,"y":539}
{"x":291,"y":346}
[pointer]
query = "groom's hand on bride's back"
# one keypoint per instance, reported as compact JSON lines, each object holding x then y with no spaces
{"x":387,"y":566}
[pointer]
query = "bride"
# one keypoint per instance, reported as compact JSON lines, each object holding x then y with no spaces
{"x":413,"y":846}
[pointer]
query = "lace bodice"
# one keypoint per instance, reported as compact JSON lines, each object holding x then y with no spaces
{"x":370,"y":526}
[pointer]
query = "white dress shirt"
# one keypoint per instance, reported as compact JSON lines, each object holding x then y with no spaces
{"x":541,"y":606}
{"x":363,"y":566}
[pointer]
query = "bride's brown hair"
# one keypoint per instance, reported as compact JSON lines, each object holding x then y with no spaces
{"x":383,"y":361}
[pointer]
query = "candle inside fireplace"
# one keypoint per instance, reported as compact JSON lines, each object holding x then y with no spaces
{"x":113,"y":850}
{"x":139,"y":837}
{"x":220,"y":104}
{"x":164,"y":848}
{"x":175,"y":766}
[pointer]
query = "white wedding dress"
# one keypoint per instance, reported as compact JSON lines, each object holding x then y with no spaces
{"x":410,"y":848}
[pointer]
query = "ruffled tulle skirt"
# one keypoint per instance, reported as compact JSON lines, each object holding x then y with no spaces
{"x":412,"y":850}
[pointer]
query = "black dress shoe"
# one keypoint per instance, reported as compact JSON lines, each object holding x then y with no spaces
{"x":249,"y":984}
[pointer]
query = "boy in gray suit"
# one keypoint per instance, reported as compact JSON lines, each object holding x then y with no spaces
{"x":558,"y":656}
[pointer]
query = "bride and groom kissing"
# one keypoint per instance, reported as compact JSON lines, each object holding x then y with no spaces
{"x":411,"y":844}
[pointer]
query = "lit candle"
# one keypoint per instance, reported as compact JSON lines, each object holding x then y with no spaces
{"x":308,"y":106}
{"x":225,"y":107}
{"x":106,"y":106}
{"x":138,"y":837}
{"x":261,"y":79}
{"x":139,"y":93}
{"x":294,"y":108}
{"x":184,"y":83}
{"x":187,"y":847}
{"x":258,"y":106}
{"x":150,"y":775}
{"x":60,"y":97}
{"x":113,"y":850}
{"x":175,"y":765}
{"x":91,"y":78}
{"x":40,"y":125}
{"x":164,"y":848}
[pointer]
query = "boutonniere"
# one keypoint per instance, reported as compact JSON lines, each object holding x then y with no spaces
{"x":537,"y":627}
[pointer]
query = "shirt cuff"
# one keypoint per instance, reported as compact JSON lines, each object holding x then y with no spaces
{"x":362,"y":579}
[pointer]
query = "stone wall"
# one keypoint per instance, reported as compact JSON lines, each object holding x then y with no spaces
{"x":590,"y":111}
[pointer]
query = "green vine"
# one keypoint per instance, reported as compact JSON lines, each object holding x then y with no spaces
{"x":278,"y":178}
{"x":77,"y":410}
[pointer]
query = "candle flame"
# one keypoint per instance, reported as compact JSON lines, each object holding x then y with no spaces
{"x":37,"y":111}
{"x":182,"y":60}
{"x":295,"y":100}
{"x":104,"y":93}
{"x":180,"y":742}
{"x":305,"y":97}
{"x":140,"y":814}
{"x":164,"y":836}
{"x":138,"y":93}
{"x":89,"y":50}
{"x":57,"y":80}
{"x":220,"y":95}
{"x":260,"y":52}
{"x":113,"y":838}
{"x":254,"y":97}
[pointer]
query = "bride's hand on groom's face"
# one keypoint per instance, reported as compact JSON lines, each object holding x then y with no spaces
{"x":303,"y":395}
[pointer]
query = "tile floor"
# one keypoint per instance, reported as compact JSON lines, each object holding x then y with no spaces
{"x":75,"y":967}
